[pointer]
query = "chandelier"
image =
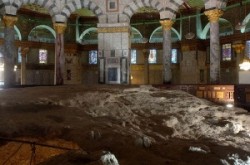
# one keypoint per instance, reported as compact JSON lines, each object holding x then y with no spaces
{"x":245,"y":65}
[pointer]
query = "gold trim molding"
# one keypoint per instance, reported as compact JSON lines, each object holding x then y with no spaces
{"x":59,"y":27}
{"x":136,"y":67}
{"x":9,"y":21}
{"x":214,"y":15}
{"x":167,"y":24}
{"x":156,"y":67}
{"x":113,"y":30}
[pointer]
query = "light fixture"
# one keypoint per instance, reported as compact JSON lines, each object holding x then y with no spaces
{"x":245,"y":65}
{"x":190,"y":35}
{"x":15,"y":68}
{"x":144,"y":39}
{"x":240,"y":25}
{"x":2,"y":67}
{"x":229,"y":105}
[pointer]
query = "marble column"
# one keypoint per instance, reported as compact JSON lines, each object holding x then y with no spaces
{"x":213,"y":16}
{"x":146,"y":66}
{"x":9,"y":49}
{"x":59,"y":53}
{"x":24,"y":52}
{"x":167,"y":47}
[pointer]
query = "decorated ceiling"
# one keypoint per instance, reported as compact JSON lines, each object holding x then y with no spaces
{"x":189,"y":5}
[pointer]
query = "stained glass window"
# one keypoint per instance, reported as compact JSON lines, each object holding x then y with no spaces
{"x":93,"y":57}
{"x":1,"y":69}
{"x":174,"y":57}
{"x":1,"y":62}
{"x":226,"y":52}
{"x":133,"y":56}
{"x":43,"y":56}
{"x":248,"y":49}
{"x":19,"y":56}
{"x":152,"y":56}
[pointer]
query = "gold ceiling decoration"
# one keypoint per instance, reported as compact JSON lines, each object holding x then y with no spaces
{"x":35,"y":8}
{"x":146,"y":10}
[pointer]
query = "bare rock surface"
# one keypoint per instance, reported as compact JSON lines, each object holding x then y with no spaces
{"x":137,"y":124}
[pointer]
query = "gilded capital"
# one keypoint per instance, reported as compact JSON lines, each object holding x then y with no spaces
{"x":60,"y":27}
{"x":239,"y":48}
{"x":213,"y":15}
{"x":9,"y":21}
{"x":166,"y":24}
{"x":24,"y":51}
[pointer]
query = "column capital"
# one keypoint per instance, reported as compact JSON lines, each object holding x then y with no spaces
{"x":166,"y":24}
{"x":9,"y":20}
{"x":59,"y":27}
{"x":213,"y":15}
{"x":24,"y":51}
{"x":239,"y":47}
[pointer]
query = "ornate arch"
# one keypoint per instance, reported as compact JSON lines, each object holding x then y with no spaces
{"x":15,"y":5}
{"x":78,"y":4}
{"x":46,"y":27}
{"x":166,"y":10}
{"x":132,"y":7}
{"x":52,"y":31}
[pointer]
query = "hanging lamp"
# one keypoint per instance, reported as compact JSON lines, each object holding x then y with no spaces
{"x":245,"y":65}
{"x":240,"y":25}
{"x":190,"y":35}
{"x":144,"y":39}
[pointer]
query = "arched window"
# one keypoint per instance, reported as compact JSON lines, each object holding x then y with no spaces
{"x":43,"y":56}
{"x":93,"y":57}
{"x":174,"y":56}
{"x":247,"y":49}
{"x":133,"y":56}
{"x":227,"y":52}
{"x":1,"y":69}
{"x":152,"y":56}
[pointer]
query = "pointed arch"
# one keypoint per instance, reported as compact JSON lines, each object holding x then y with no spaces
{"x":43,"y":39}
{"x":46,"y":27}
{"x":78,"y":4}
{"x":132,"y":7}
{"x":47,"y":4}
